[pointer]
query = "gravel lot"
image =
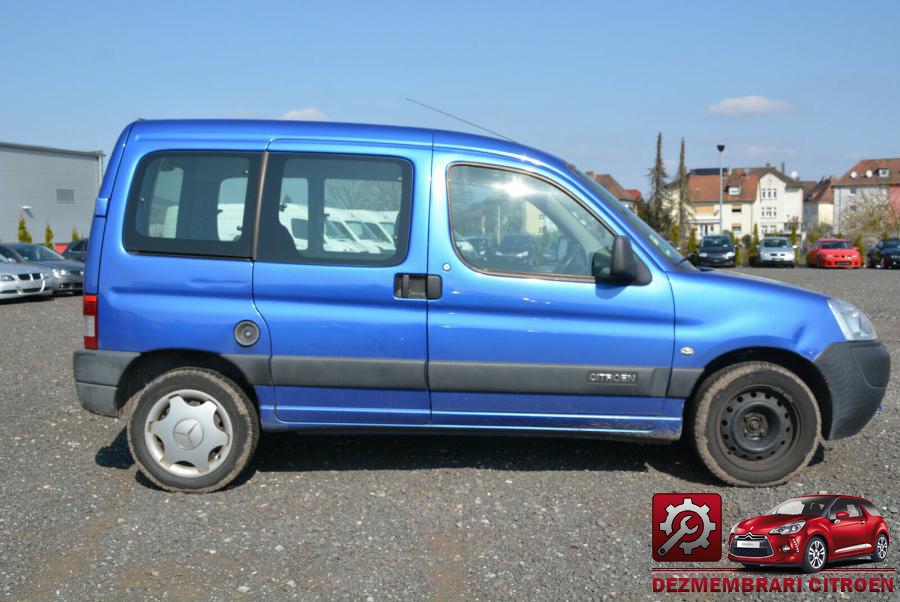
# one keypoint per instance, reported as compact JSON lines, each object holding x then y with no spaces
{"x":366,"y":517}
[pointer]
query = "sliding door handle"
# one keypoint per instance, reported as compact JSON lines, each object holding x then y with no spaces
{"x":417,"y":286}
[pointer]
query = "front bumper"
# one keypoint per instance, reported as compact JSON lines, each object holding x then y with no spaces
{"x":24,"y":288}
{"x":890,"y":261}
{"x":715,"y":260}
{"x":840,"y":262}
{"x":857,"y":374}
{"x":770,"y":550}
{"x":97,"y":376}
{"x":68,"y":284}
{"x":776,"y":259}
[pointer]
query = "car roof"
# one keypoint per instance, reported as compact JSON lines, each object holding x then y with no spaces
{"x":270,"y":130}
{"x":849,"y":497}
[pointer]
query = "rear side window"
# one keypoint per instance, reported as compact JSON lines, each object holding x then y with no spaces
{"x":335,"y":209}
{"x":193,"y":203}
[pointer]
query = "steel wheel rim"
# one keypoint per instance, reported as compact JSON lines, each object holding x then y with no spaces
{"x":188,"y":433}
{"x":758,"y":426}
{"x":816,"y":554}
{"x":881,"y":547}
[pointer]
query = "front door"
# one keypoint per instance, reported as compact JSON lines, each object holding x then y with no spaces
{"x":524,"y":336}
{"x":851,"y":535}
{"x":347,"y":348}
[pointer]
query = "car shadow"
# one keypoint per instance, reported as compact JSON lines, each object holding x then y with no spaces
{"x":295,"y":452}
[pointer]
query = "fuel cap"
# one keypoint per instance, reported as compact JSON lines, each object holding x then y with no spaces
{"x":246,"y":333}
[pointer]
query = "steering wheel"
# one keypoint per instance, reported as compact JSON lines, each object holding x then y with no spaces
{"x":575,"y":262}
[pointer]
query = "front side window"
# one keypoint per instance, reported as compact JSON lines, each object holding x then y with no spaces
{"x":506,"y":221}
{"x":193,"y":203}
{"x":330,"y":209}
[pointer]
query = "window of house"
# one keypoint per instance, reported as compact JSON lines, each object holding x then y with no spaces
{"x":335,"y":209}
{"x":497,"y":227}
{"x":852,"y":191}
{"x":193,"y":203}
{"x":769,"y":212}
{"x":734,"y":190}
{"x":65,"y":195}
{"x":737,"y":208}
{"x":883,"y":172}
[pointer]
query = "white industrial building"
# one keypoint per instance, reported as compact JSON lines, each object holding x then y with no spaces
{"x":47,"y":186}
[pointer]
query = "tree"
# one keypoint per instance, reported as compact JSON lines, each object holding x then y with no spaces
{"x":857,"y":242}
{"x":48,"y":237}
{"x":683,"y":209}
{"x":754,"y":245}
{"x":75,"y":234}
{"x":675,"y":236}
{"x":692,"y":242}
{"x":24,"y":234}
{"x":794,"y":233}
{"x":660,"y":218}
{"x":872,"y":214}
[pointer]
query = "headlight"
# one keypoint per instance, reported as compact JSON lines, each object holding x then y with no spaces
{"x":788,"y":528}
{"x":703,"y":254}
{"x":852,"y":321}
{"x":6,"y":278}
{"x":734,"y":528}
{"x":58,"y":272}
{"x":729,"y":254}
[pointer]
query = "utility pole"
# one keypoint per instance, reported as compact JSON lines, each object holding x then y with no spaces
{"x":721,"y":148}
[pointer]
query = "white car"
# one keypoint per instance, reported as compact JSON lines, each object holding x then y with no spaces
{"x":22,"y":279}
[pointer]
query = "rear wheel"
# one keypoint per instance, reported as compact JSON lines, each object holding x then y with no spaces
{"x":881,"y":547}
{"x":192,"y":430}
{"x":754,"y":424}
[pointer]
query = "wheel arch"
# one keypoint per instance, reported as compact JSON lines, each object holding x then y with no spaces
{"x":796,"y":363}
{"x":148,"y":366}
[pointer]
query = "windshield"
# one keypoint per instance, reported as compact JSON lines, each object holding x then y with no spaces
{"x":892,"y":243}
{"x":807,"y":506}
{"x":38,"y":253}
{"x":647,"y":233}
{"x":776,"y":242}
{"x":715,"y":241}
{"x":835,"y":244}
{"x":8,"y":256}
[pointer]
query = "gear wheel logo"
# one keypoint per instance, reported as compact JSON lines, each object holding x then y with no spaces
{"x":687,"y":527}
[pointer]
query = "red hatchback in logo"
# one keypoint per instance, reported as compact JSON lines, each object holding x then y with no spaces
{"x":809,"y":531}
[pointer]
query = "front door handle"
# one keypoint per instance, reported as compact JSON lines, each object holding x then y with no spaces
{"x":418,"y":286}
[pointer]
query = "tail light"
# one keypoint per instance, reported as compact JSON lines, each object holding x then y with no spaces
{"x":89,"y":311}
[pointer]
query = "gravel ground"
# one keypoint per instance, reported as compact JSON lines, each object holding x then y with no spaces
{"x":365,"y":517}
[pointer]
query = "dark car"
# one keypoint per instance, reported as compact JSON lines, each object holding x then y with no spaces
{"x":809,"y":531}
{"x":885,"y":254}
{"x":77,"y":250}
{"x":67,"y":275}
{"x":717,"y":251}
{"x":517,"y":251}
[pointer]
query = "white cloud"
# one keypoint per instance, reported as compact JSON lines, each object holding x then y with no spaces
{"x":305,"y":114}
{"x":761,"y":151}
{"x":749,"y":105}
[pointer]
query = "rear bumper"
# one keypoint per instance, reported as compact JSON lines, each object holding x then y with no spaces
{"x":97,"y":375}
{"x":857,"y":374}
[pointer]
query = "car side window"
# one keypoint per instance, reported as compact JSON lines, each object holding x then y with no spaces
{"x":331,"y":209}
{"x":847,"y":506}
{"x":506,"y":221}
{"x":193,"y":203}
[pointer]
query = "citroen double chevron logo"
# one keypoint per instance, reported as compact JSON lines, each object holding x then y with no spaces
{"x":612,"y":378}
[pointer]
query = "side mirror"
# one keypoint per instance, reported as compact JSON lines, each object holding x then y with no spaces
{"x":622,"y":265}
{"x":842,"y":515}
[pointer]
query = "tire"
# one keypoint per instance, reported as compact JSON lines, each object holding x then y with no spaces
{"x":815,"y":555}
{"x":754,"y":424}
{"x":879,"y":553}
{"x":211,"y":444}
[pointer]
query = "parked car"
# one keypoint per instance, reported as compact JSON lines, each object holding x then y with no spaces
{"x":775,"y":250}
{"x":884,"y":254}
{"x":77,"y":250}
{"x":67,"y":276}
{"x":810,"y":531}
{"x":19,"y":278}
{"x":716,"y":251}
{"x":204,"y":340}
{"x":833,"y":253}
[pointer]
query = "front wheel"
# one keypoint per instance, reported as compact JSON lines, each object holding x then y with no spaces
{"x":814,"y":556}
{"x":881,"y":546}
{"x":192,"y":430}
{"x":754,"y":424}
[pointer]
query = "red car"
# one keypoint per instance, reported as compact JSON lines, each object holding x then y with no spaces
{"x":833,"y":253}
{"x":809,"y":531}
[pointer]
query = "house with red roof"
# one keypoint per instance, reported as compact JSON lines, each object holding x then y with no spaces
{"x":875,"y":181}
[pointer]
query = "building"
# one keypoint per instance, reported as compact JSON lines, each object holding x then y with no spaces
{"x":755,"y":196}
{"x":47,"y":186}
{"x":818,"y":202}
{"x":614,"y":188}
{"x":869,"y":182}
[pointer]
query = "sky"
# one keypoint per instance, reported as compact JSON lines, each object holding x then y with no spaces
{"x":813,"y":84}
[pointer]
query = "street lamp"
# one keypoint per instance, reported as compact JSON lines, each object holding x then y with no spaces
{"x":721,"y":148}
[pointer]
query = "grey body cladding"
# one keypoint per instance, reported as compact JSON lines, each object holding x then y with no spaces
{"x":546,"y":379}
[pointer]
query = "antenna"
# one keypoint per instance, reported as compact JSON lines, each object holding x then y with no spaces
{"x":466,"y":121}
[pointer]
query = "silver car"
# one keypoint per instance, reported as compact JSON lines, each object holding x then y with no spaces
{"x":20,"y":279}
{"x":67,"y":276}
{"x":776,"y":250}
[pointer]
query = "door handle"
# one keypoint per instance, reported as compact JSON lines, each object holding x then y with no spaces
{"x":418,"y":286}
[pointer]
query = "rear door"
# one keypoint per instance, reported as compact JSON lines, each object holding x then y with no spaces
{"x":346,"y":319}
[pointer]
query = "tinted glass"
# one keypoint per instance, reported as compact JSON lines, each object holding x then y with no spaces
{"x":510,"y":222}
{"x":715,"y":241}
{"x":848,"y":506}
{"x":892,"y":243}
{"x":194,"y":203}
{"x":8,"y":255}
{"x":834,"y":244}
{"x":326,"y":209}
{"x":776,"y":243}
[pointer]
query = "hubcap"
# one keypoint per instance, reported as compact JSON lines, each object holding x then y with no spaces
{"x":188,"y":433}
{"x":816,"y":554}
{"x":881,"y":547}
{"x":757,"y":424}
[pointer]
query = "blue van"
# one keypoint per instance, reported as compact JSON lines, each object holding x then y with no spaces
{"x":234,"y":286}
